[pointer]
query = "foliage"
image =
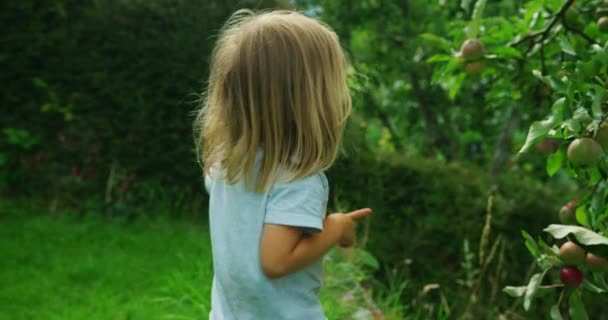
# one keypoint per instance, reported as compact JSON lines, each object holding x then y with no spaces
{"x":425,"y":206}
{"x":396,"y":90}
{"x":558,"y":43}
{"x":102,"y":87}
{"x":98,"y":98}
{"x":540,"y":57}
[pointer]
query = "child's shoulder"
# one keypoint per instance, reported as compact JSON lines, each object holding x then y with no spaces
{"x":314,"y":181}
{"x":315,"y":185}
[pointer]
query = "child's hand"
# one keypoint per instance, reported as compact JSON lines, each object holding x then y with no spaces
{"x":348,"y":222}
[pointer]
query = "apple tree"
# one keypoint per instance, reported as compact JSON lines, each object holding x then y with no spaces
{"x":551,"y":56}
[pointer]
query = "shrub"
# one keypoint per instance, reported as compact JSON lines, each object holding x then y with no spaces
{"x":424,"y":210}
{"x":105,"y":84}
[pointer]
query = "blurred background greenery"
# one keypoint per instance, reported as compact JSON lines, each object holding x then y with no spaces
{"x":96,"y":155}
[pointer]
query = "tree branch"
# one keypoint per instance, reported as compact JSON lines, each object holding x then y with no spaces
{"x":579,"y":32}
{"x":560,"y":14}
{"x":544,"y":34}
{"x":604,"y":117}
{"x":503,"y":144}
{"x":543,"y":65}
{"x":434,"y":130}
{"x":531,"y":36}
{"x":384,"y":118}
{"x":369,"y":98}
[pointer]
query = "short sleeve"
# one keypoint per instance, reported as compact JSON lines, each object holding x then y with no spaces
{"x":299,"y":203}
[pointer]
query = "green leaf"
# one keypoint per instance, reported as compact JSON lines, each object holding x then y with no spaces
{"x":559,"y":104}
{"x":579,"y":120}
{"x":20,"y":138}
{"x":464,"y":4}
{"x":599,"y":279}
{"x":583,"y":235}
{"x":533,"y":286}
{"x":531,"y":245}
{"x":439,"y":58}
{"x":40,"y":83}
{"x":508,"y":52}
{"x":581,"y":114}
{"x":566,"y":46}
{"x":551,"y":81}
{"x":581,"y":216}
{"x":555,"y":314}
{"x":573,"y":125}
{"x":366,"y":259}
{"x":546,"y":249}
{"x":538,"y":130}
{"x":602,"y":216}
{"x":549,"y":256}
{"x":577,"y":308}
{"x":456,"y":84}
{"x":476,"y":18}
{"x":594,"y":176}
{"x":587,"y":67}
{"x":589,"y":286}
{"x":515,"y":292}
{"x":598,"y":98}
{"x":436,"y":40}
{"x":593,"y":242}
{"x":555,"y":161}
{"x":445,"y":71}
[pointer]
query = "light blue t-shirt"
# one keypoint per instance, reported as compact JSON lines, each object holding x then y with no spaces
{"x":241,"y":290}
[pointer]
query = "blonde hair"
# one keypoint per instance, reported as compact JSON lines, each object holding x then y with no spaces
{"x":277,"y":84}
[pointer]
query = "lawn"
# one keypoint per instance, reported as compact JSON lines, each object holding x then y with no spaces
{"x":62,"y":267}
{"x":65,"y":266}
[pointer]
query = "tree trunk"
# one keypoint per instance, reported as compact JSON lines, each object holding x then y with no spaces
{"x":384,"y":118}
{"x":434,"y":131}
{"x":502,"y":151}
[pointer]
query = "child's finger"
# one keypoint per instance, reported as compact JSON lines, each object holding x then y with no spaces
{"x":358,"y":214}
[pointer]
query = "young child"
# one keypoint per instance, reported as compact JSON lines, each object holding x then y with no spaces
{"x":271,"y":123}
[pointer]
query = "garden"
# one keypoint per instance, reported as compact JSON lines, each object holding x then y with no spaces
{"x":478,"y":135}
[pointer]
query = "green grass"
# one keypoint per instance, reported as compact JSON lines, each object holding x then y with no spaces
{"x":68,"y":267}
{"x":72,"y":268}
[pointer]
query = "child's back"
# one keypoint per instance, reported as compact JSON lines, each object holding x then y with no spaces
{"x":271,"y":123}
{"x":241,"y":290}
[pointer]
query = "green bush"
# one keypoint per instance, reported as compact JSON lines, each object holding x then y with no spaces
{"x":424,"y":210}
{"x":103,"y":84}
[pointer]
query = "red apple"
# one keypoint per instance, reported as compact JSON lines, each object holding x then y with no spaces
{"x":571,"y":277}
{"x":547,"y":146}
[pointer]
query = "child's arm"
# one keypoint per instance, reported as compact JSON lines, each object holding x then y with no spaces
{"x":285,"y":249}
